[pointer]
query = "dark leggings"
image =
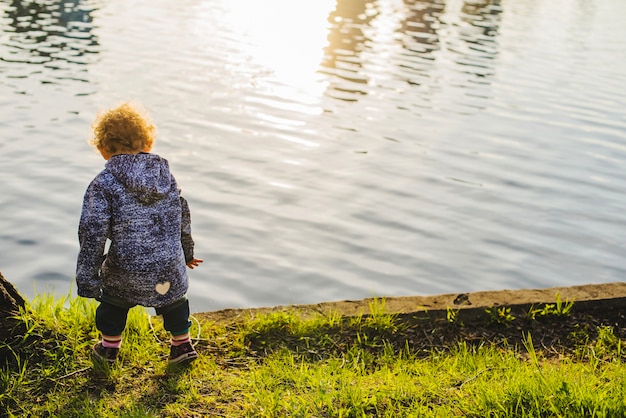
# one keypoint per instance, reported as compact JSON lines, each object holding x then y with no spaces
{"x":111,"y":318}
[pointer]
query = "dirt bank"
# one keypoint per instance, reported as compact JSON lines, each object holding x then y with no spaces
{"x":592,"y":297}
{"x":440,"y":322}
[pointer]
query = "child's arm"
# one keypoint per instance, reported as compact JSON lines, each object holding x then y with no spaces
{"x":185,"y":236}
{"x":92,"y":234}
{"x":185,"y":230}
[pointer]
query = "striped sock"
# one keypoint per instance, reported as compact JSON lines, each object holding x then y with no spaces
{"x":111,"y":341}
{"x":177,"y":340}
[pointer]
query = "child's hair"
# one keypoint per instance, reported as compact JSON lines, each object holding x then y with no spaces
{"x":124,"y":129}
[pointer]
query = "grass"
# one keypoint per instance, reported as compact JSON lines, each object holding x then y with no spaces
{"x":281,"y":364}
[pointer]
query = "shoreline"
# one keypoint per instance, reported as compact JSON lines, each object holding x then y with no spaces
{"x":585,"y":297}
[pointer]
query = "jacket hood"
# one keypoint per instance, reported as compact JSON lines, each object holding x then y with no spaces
{"x":145,"y":176}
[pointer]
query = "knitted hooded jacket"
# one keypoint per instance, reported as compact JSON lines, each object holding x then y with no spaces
{"x":136,"y":204}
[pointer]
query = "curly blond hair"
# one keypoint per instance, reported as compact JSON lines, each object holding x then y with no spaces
{"x":124,"y":129}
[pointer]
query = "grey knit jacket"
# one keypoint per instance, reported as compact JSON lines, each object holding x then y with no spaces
{"x":135,"y":203}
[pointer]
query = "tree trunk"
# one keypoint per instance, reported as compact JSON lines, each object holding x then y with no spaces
{"x":10,"y":302}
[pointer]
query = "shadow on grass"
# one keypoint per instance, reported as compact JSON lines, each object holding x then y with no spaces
{"x":102,"y":381}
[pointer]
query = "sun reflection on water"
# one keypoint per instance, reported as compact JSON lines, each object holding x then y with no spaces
{"x":287,"y":39}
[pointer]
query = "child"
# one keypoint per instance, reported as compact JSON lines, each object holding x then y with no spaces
{"x":136,"y":204}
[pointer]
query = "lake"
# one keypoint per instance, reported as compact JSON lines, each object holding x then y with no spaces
{"x":330,"y":150}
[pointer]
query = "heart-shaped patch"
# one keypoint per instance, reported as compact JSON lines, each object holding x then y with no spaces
{"x":162,"y":288}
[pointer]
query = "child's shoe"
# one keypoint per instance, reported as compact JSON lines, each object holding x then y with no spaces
{"x":183,"y":353}
{"x":106,"y":354}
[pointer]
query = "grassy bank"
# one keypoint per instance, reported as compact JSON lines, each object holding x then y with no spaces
{"x":280,"y":364}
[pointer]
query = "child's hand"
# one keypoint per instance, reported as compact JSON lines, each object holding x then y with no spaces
{"x":194,"y":263}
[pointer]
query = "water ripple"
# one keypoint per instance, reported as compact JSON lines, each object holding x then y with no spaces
{"x":337,"y":149}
